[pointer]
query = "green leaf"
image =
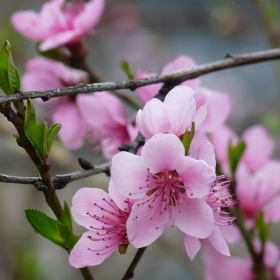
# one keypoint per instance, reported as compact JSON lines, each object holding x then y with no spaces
{"x":263,"y":229}
{"x":66,"y":218}
{"x":45,"y":226}
{"x":51,"y":135}
{"x":30,"y":116}
{"x":54,"y":54}
{"x":9,"y":76}
{"x":65,"y":233}
{"x":187,"y":139}
{"x":37,"y":134}
{"x":234,"y":155}
{"x":72,"y":240}
{"x":127,"y":69}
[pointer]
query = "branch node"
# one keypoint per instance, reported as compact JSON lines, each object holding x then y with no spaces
{"x":85,"y":164}
{"x":40,"y":186}
{"x":46,"y":98}
{"x":228,"y":55}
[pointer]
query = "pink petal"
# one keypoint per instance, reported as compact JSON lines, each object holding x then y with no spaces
{"x":259,"y":147}
{"x":217,"y":110}
{"x":27,"y":23}
{"x":180,"y":63}
{"x":118,"y":198}
{"x":99,"y":116}
{"x":192,"y":245}
{"x":90,"y":16}
{"x":129,"y":173}
{"x":59,"y":39}
{"x":162,"y":151}
{"x":143,"y":230}
{"x":73,"y":129}
{"x":231,"y":234}
{"x":84,"y":201}
{"x":218,"y":242}
{"x":220,"y":140}
{"x":81,"y":256}
{"x":181,"y":107}
{"x":204,"y":151}
{"x":271,"y":210}
{"x":148,"y":92}
{"x":195,"y":218}
{"x":196,"y":175}
{"x":39,"y":81}
{"x":199,"y":117}
{"x":153,"y":119}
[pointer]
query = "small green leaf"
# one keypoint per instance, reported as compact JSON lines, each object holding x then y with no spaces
{"x":37,"y":134}
{"x":66,"y":218}
{"x":72,"y":240}
{"x":127,"y":69}
{"x":65,"y":233}
{"x":9,"y":76}
{"x":30,"y":116}
{"x":234,"y":155}
{"x":51,"y":135}
{"x":45,"y":226}
{"x":187,"y":138}
{"x":54,"y":54}
{"x":263,"y":229}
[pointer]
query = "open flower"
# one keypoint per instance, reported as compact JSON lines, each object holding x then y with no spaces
{"x":105,"y":115}
{"x":43,"y":74}
{"x":59,"y":23}
{"x":105,"y":216}
{"x":174,"y":115}
{"x":170,"y":186}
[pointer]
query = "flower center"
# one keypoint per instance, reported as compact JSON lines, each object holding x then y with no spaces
{"x":219,"y":199}
{"x":113,"y":230}
{"x":166,"y":189}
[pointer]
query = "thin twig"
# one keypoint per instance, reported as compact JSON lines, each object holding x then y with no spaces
{"x":59,"y":181}
{"x":174,"y":77}
{"x":130,"y":271}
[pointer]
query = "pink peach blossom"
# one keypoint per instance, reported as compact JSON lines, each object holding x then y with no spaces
{"x":217,"y":103}
{"x":169,"y":185}
{"x":105,"y":216}
{"x":59,"y":23}
{"x":259,"y":146}
{"x":43,"y":74}
{"x":256,"y":191}
{"x":174,"y":115}
{"x":105,"y":114}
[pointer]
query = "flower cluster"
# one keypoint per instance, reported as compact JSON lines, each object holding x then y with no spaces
{"x":162,"y":186}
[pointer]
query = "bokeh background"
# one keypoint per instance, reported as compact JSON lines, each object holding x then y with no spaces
{"x":147,"y":33}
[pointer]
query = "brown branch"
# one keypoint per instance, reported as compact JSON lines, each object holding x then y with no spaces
{"x":59,"y":181}
{"x":174,"y":77}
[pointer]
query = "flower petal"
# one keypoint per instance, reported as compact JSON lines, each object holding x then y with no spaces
{"x":90,"y":16}
{"x":162,"y":151}
{"x":192,"y":245}
{"x":89,"y":200}
{"x":181,"y":107}
{"x":81,"y":256}
{"x":195,"y":218}
{"x":153,"y":119}
{"x":73,"y":129}
{"x":129,"y":173}
{"x":196,"y":175}
{"x":148,"y":225}
{"x":218,"y":242}
{"x":179,"y":63}
{"x":257,"y":139}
